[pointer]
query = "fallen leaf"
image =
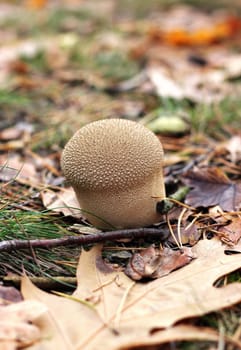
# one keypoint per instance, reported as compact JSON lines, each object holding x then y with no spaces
{"x":10,"y":133}
{"x":235,"y":248}
{"x":21,"y":129}
{"x":18,"y":66}
{"x":228,"y":227}
{"x":153,"y":263}
{"x":16,"y":329}
{"x":14,"y":168}
{"x":188,"y":82}
{"x":36,"y":4}
{"x":165,"y":85}
{"x":231,"y":232}
{"x":9,"y":294}
{"x":189,"y":233}
{"x":63,"y":201}
{"x":207,"y":29}
{"x":195,"y":37}
{"x":234,"y":148}
{"x":109,"y":311}
{"x":18,"y":334}
{"x":219,"y":216}
{"x":211,"y":187}
{"x":179,"y":333}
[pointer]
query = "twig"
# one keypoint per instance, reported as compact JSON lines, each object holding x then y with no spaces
{"x":16,"y":244}
{"x":43,"y":282}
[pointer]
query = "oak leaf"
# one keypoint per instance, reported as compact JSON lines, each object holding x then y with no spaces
{"x":16,"y":328}
{"x":109,"y":311}
{"x":212,"y":187}
{"x":179,"y":333}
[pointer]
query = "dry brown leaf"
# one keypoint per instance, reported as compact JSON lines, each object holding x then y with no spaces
{"x":211,"y":187}
{"x":14,"y":168}
{"x":231,"y":232}
{"x":165,"y":85}
{"x":114,"y":312}
{"x":176,"y":70}
{"x":188,"y":82}
{"x":10,"y":133}
{"x":235,"y":248}
{"x":21,"y":131}
{"x":234,"y":148}
{"x":153,"y":263}
{"x":63,"y":201}
{"x":15,"y":328}
{"x":228,"y":226}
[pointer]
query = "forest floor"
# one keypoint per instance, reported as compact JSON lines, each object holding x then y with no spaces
{"x":174,"y":67}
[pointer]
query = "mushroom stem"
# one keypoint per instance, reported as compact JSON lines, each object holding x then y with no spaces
{"x":124,"y":205}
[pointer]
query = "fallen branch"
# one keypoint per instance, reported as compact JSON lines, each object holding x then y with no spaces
{"x":17,"y":244}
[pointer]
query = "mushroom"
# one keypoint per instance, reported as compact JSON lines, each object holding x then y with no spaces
{"x":115,"y":167}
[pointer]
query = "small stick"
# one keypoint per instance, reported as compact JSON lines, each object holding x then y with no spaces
{"x":46,"y":283}
{"x":17,"y":244}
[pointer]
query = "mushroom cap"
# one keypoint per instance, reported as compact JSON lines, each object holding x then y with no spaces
{"x":111,"y":154}
{"x":115,"y":168}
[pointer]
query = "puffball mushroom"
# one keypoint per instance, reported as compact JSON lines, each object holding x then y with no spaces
{"x":115,"y":167}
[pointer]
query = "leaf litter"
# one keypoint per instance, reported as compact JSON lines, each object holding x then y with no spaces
{"x":151,"y":263}
{"x":211,"y":187}
{"x":178,"y":67}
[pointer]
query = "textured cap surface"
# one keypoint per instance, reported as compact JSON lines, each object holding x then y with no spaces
{"x":113,"y":154}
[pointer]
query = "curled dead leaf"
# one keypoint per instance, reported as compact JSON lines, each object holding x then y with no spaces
{"x":231,"y":233}
{"x":63,"y":201}
{"x":153,"y":263}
